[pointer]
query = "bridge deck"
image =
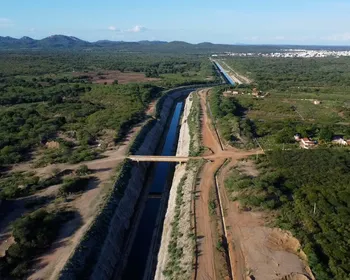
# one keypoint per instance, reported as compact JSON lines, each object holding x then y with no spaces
{"x":159,"y":158}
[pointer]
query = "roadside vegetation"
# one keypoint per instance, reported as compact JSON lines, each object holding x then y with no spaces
{"x":229,"y":117}
{"x":194,"y":123}
{"x":182,"y":244}
{"x":173,"y":267}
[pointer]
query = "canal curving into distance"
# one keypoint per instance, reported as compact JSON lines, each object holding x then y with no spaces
{"x":140,"y":250}
{"x":224,"y":73}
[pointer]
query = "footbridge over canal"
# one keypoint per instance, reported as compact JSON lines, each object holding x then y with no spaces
{"x":183,"y":159}
{"x":178,"y":159}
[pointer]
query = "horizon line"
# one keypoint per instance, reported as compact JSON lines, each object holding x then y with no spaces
{"x":163,"y":41}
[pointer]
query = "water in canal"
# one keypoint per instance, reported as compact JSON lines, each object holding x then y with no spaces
{"x":227,"y":76}
{"x":140,"y":249}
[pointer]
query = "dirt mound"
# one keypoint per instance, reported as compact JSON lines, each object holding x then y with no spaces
{"x":283,"y":239}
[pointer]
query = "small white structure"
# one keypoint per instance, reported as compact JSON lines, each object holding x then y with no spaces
{"x":317,"y":102}
{"x":339,"y":141}
{"x":306,"y":143}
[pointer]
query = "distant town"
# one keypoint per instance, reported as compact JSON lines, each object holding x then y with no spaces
{"x":291,"y":53}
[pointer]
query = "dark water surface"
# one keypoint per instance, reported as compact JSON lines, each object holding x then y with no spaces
{"x":140,"y":249}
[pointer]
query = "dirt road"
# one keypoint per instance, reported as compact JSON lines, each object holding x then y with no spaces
{"x":206,"y":265}
{"x":254,"y":249}
{"x":206,"y":260}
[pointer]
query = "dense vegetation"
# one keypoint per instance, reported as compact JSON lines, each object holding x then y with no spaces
{"x":291,"y":87}
{"x":312,"y":75}
{"x":176,"y":69}
{"x":81,"y":117}
{"x":312,"y":193}
{"x":19,"y":184}
{"x":32,"y":233}
{"x":44,"y":100}
{"x":228,"y":114}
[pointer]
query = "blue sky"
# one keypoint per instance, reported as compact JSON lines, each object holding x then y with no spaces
{"x":225,"y":21}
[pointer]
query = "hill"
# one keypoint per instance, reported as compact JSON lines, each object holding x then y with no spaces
{"x":73,"y":43}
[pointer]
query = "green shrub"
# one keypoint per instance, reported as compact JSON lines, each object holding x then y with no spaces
{"x":82,"y":170}
{"x":73,"y":185}
{"x":32,"y":233}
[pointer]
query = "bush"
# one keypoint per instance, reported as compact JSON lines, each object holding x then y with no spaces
{"x":32,"y":233}
{"x":73,"y":185}
{"x":82,"y":170}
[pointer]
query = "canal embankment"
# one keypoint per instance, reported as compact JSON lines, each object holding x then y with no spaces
{"x":177,"y":247}
{"x":100,"y":254}
{"x":227,"y":76}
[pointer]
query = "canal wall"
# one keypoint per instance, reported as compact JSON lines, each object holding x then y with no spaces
{"x":177,"y":235}
{"x":99,"y":256}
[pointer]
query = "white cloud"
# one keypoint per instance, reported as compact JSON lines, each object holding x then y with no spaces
{"x":338,"y":37}
{"x":137,"y":29}
{"x":5,"y":22}
{"x":113,"y":28}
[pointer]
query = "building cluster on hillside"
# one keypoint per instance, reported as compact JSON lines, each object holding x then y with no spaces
{"x":292,"y":53}
{"x":255,"y":92}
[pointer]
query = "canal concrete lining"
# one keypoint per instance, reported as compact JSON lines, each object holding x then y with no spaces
{"x":112,"y":258}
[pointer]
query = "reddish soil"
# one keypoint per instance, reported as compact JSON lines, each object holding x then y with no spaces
{"x":109,"y":77}
{"x":207,"y":264}
{"x":257,"y":250}
{"x":254,"y":249}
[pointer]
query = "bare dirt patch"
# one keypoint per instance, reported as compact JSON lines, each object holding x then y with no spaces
{"x":248,"y":167}
{"x":257,"y":250}
{"x":108,"y":77}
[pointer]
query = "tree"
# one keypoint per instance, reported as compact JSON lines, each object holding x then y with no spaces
{"x":326,"y":134}
{"x":285,"y":136}
{"x":115,"y":82}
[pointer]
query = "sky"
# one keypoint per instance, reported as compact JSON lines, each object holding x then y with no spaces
{"x":325,"y":22}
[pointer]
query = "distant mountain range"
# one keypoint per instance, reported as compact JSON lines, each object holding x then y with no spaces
{"x":73,"y":43}
{"x":70,"y":42}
